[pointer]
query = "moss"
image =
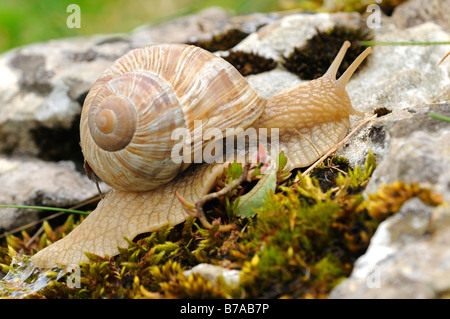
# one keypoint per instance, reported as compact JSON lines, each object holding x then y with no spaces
{"x":300,"y":244}
{"x":313,"y":59}
{"x":388,"y":199}
{"x":295,"y":238}
{"x":222,"y":41}
{"x":174,"y":284}
{"x":249,"y":63}
{"x":327,"y":172}
{"x":245,"y":63}
{"x":24,"y":245}
{"x":382,"y":111}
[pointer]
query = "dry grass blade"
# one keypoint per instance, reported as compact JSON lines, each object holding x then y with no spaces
{"x":18,"y":229}
{"x":443,"y":58}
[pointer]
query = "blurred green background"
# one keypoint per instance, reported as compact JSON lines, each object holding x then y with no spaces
{"x":27,"y":21}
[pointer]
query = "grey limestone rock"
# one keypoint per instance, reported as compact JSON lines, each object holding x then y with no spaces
{"x":213,"y":273}
{"x":408,"y":257}
{"x":29,"y":181}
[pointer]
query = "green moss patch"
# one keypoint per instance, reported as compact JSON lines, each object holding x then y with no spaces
{"x":300,"y":244}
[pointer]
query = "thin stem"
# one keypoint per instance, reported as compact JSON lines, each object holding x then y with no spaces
{"x":335,"y":148}
{"x":46,"y":218}
{"x":41,"y":229}
{"x":439,"y":117}
{"x":55,"y":209}
{"x":443,"y":58}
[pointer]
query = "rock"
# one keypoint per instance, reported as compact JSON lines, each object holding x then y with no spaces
{"x":279,"y":38}
{"x":409,"y":145}
{"x":419,"y":158}
{"x":183,"y":29}
{"x":213,"y":273}
{"x":27,"y":181}
{"x":271,"y":82}
{"x":200,"y":26}
{"x":408,"y":257}
{"x":401,"y":77}
{"x":44,"y":87}
{"x":378,"y":135}
{"x":415,"y":12}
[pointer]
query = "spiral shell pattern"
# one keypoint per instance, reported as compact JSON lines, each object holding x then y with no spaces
{"x":131,"y":111}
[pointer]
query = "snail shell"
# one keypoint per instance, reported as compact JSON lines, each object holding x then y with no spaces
{"x":131,"y":111}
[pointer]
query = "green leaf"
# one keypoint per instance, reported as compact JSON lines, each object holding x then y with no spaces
{"x":282,"y":161}
{"x":255,"y":198}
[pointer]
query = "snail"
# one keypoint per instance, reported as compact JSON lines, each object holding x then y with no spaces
{"x":126,"y":126}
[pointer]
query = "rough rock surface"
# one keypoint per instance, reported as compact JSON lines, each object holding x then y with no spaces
{"x":419,"y":152}
{"x":416,"y":12}
{"x":42,"y":87}
{"x":213,"y":273}
{"x":408,"y":257}
{"x":279,"y":38}
{"x":28,"y":181}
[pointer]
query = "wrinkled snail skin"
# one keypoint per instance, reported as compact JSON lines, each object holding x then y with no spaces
{"x":123,"y":214}
{"x":183,"y":84}
{"x":314,"y":116}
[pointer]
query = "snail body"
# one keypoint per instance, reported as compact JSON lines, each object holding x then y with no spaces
{"x":126,"y":126}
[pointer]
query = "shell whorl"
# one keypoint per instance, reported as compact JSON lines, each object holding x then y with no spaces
{"x":112,"y":120}
{"x":133,"y":108}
